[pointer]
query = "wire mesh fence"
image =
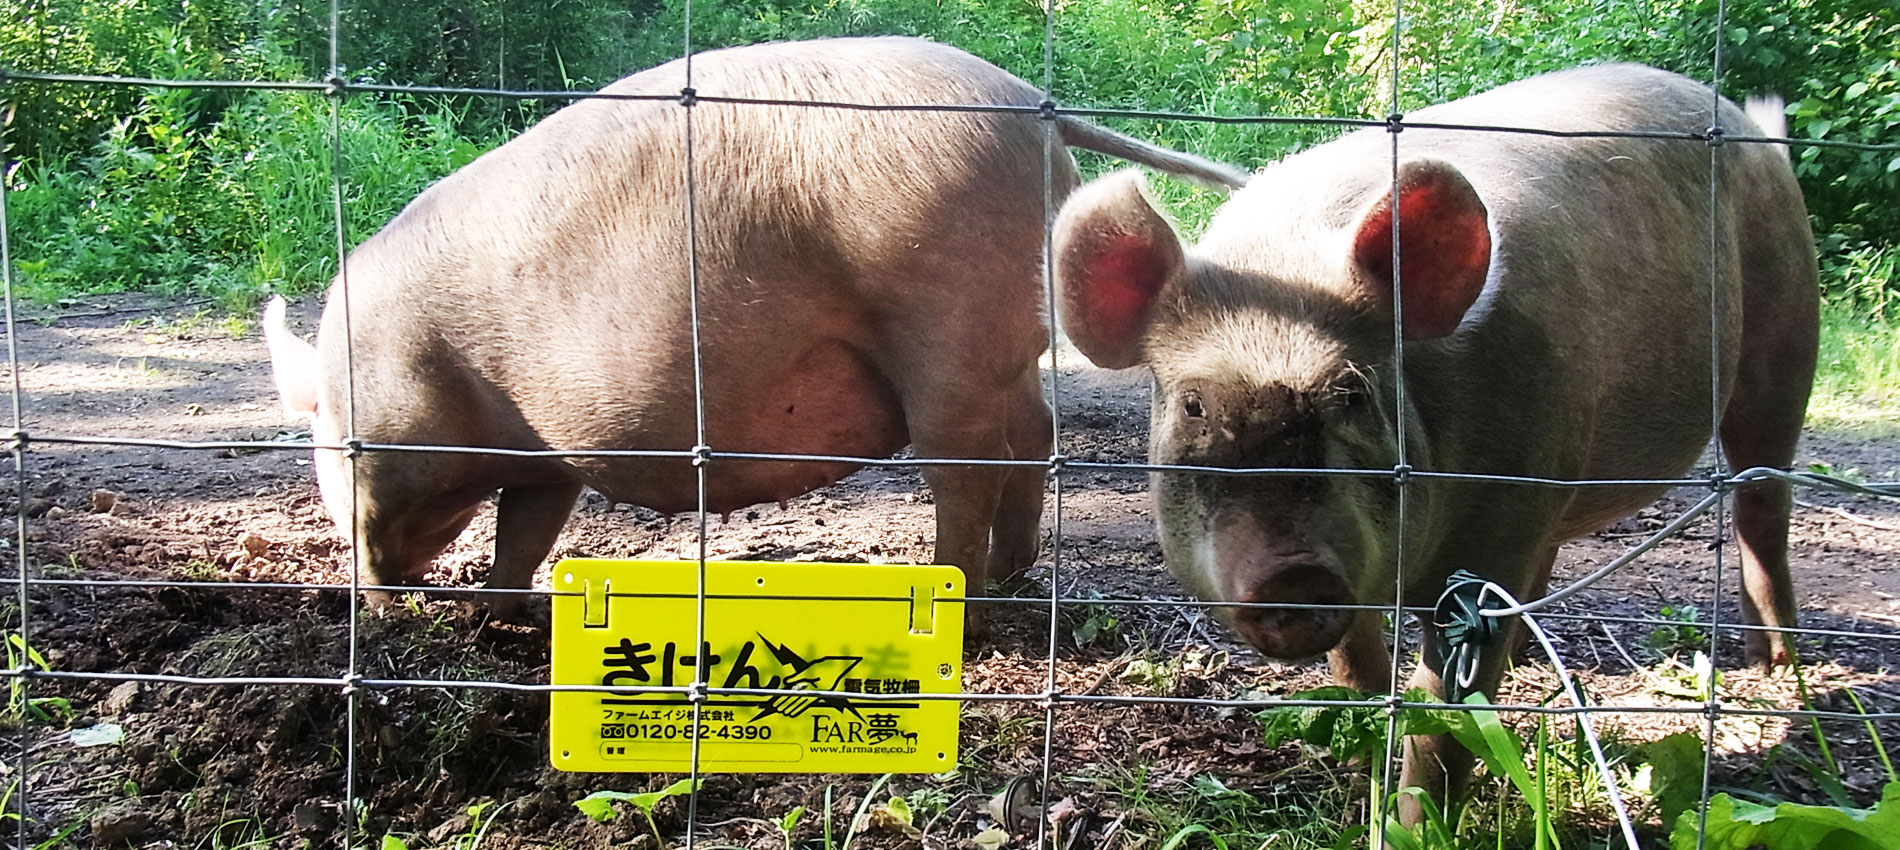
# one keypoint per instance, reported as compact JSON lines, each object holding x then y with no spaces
{"x":1046,"y":692}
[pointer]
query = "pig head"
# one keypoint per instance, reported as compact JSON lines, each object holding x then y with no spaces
{"x":1559,"y":308}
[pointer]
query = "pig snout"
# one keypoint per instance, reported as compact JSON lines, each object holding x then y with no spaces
{"x":1293,"y":633}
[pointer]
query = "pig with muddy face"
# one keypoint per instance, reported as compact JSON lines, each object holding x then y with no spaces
{"x":866,"y":279}
{"x":1555,"y":308}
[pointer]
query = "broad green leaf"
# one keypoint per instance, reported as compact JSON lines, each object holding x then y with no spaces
{"x":647,"y":800}
{"x":1738,"y":825}
{"x":1675,"y":778}
{"x":600,"y":805}
{"x":1347,"y":731}
{"x":683,"y":786}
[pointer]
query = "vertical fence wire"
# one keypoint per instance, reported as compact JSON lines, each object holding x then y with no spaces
{"x":701,"y":451}
{"x":23,"y":669}
{"x":1711,"y":691}
{"x":335,"y":92}
{"x":1050,"y":139}
{"x":1394,"y":741}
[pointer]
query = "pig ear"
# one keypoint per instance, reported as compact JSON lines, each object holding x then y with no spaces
{"x":293,"y":362}
{"x":1444,"y":247}
{"x":1114,"y":256}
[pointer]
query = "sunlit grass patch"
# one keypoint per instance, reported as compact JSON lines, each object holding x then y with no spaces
{"x":1857,"y":379}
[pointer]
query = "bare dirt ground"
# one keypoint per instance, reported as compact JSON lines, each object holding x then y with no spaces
{"x":220,"y":765}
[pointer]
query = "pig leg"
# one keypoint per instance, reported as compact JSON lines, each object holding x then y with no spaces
{"x":1760,"y":427}
{"x":967,"y":498}
{"x":1762,"y":422}
{"x":1755,"y":436}
{"x":1016,"y":529}
{"x":1362,"y":660}
{"x":1438,"y":763}
{"x":944,"y":424}
{"x":527,"y":522}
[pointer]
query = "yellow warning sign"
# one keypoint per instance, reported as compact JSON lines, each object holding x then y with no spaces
{"x":809,"y":668}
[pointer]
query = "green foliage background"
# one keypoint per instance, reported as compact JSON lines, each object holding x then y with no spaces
{"x":228,"y":193}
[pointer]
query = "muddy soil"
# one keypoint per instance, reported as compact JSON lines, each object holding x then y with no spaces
{"x":132,"y":549}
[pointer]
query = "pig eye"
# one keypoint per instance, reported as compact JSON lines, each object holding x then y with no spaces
{"x":1191,"y":405}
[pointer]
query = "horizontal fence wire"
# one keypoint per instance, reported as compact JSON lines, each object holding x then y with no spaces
{"x":696,"y":693}
{"x":1395,"y":122}
{"x":21,"y":444}
{"x":1056,"y":465}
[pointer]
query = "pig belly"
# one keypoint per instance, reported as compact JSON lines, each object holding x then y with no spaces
{"x":1603,"y":507}
{"x":829,"y":401}
{"x":1595,"y":508}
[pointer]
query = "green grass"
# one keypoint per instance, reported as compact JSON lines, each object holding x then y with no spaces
{"x":1857,"y":380}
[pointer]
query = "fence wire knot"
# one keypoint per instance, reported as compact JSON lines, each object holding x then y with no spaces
{"x":1046,"y":110}
{"x":1401,"y":474}
{"x":352,"y":448}
{"x":1462,"y":632}
{"x":17,"y":440}
{"x":333,"y":85}
{"x":352,"y":683}
{"x":689,"y":96}
{"x":702,"y":455}
{"x":1395,"y":122}
{"x":1713,"y":136}
{"x":1057,"y":462}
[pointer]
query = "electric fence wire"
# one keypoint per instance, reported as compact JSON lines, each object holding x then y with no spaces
{"x":1604,"y":773}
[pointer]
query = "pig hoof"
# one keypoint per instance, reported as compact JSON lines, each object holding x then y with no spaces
{"x":976,"y":624}
{"x":531,"y":611}
{"x":1018,"y":584}
{"x":1768,"y":653}
{"x":381,"y":603}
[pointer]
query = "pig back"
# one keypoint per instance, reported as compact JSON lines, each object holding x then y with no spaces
{"x":1589,"y":353}
{"x":1618,"y":290}
{"x":546,"y":284}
